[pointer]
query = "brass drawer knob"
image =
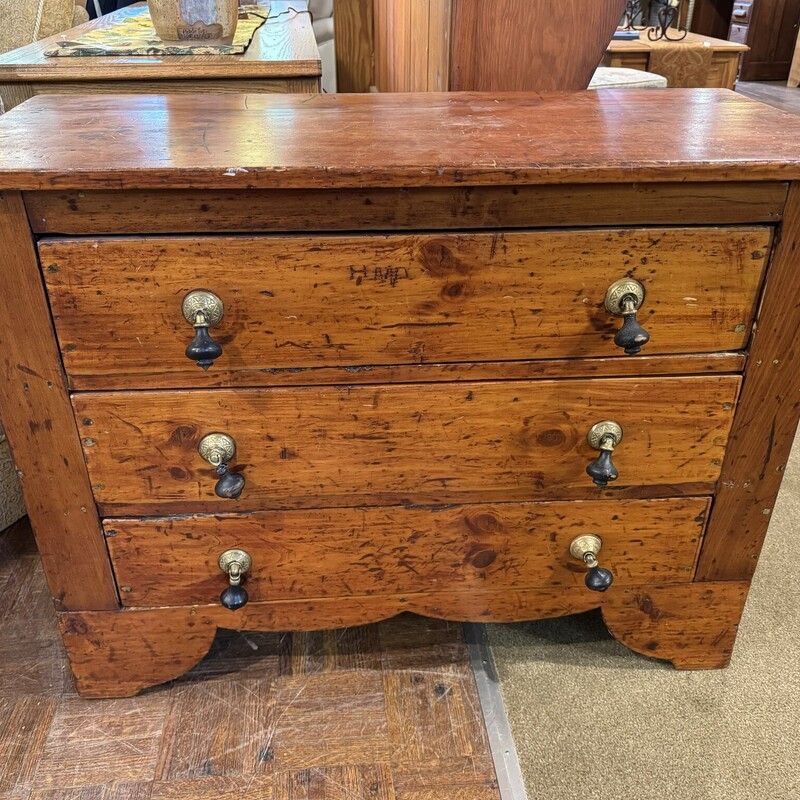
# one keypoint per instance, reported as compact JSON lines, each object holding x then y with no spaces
{"x":234,"y":563}
{"x":624,"y":298}
{"x":604,"y":436}
{"x":218,"y":449}
{"x":585,"y":548}
{"x":203,"y":310}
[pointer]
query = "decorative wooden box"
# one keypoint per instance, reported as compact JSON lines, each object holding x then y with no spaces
{"x":472,"y":356}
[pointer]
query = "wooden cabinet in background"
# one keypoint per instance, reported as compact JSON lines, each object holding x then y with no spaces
{"x":768,"y":27}
{"x":505,"y":45}
{"x":712,"y":18}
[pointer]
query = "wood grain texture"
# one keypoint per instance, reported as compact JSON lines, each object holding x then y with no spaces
{"x":134,"y":639}
{"x":334,"y":446}
{"x":518,"y":45}
{"x":693,"y":626}
{"x":29,"y":718}
{"x":63,"y":765}
{"x":690,"y":363}
{"x":765,"y":422}
{"x":13,"y":94}
{"x":712,"y":17}
{"x":283,"y":47}
{"x":439,"y":44}
{"x":374,"y":551}
{"x":374,"y":140}
{"x":410,"y":299}
{"x":172,"y":86}
{"x":174,"y":211}
{"x":41,"y":430}
{"x":412,"y":45}
{"x":355,"y":45}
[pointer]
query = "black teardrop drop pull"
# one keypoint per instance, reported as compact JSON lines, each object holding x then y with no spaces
{"x":604,"y":436}
{"x":602,"y":470}
{"x":230,"y":484}
{"x":623,"y":299}
{"x":631,"y":337}
{"x":235,"y":563}
{"x":203,"y":310}
{"x":218,"y":449}
{"x":234,"y":597}
{"x":598,"y":579}
{"x":586,"y":548}
{"x":203,"y":349}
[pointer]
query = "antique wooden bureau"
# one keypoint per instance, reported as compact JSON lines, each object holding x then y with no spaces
{"x":308,"y":362}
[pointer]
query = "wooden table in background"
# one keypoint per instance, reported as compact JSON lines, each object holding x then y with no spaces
{"x":635,"y":54}
{"x":282,"y":57}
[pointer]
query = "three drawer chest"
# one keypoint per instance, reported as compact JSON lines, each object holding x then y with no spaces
{"x":303,"y":362}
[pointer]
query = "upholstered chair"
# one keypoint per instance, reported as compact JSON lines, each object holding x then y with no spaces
{"x":26,"y":22}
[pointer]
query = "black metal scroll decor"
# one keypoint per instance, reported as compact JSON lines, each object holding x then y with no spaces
{"x":633,"y":16}
{"x":668,"y":22}
{"x":661,"y":19}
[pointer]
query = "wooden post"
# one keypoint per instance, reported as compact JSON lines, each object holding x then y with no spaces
{"x":38,"y":419}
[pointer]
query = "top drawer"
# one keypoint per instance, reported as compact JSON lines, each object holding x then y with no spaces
{"x":309,"y":301}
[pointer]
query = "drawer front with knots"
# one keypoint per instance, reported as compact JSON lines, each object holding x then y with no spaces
{"x":480,"y":358}
{"x":505,"y":546}
{"x":132,"y":312}
{"x":404,"y":443}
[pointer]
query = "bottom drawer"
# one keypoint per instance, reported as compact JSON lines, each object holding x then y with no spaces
{"x":378,"y":550}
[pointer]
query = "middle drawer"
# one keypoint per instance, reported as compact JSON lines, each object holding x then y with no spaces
{"x":403,"y":443}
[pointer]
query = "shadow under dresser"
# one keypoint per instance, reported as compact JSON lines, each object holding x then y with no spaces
{"x":308,"y":362}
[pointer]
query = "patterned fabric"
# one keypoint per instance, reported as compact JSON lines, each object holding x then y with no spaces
{"x":684,"y":65}
{"x":25,"y":21}
{"x":135,"y":36}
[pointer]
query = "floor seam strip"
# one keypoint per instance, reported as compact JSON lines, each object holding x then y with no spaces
{"x":501,"y":742}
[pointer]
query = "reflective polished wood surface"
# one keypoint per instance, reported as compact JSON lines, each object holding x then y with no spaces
{"x":332,"y":141}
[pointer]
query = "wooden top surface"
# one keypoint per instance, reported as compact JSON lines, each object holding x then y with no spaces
{"x":644,"y":45}
{"x":283,"y":47}
{"x":303,"y":141}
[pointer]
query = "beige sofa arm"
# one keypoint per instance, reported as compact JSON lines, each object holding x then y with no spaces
{"x":12,"y":507}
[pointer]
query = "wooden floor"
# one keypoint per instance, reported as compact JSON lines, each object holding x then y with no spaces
{"x":381,"y":712}
{"x":773,"y":93}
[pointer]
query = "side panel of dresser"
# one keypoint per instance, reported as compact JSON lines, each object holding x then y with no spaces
{"x":766,"y":418}
{"x":41,"y":429}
